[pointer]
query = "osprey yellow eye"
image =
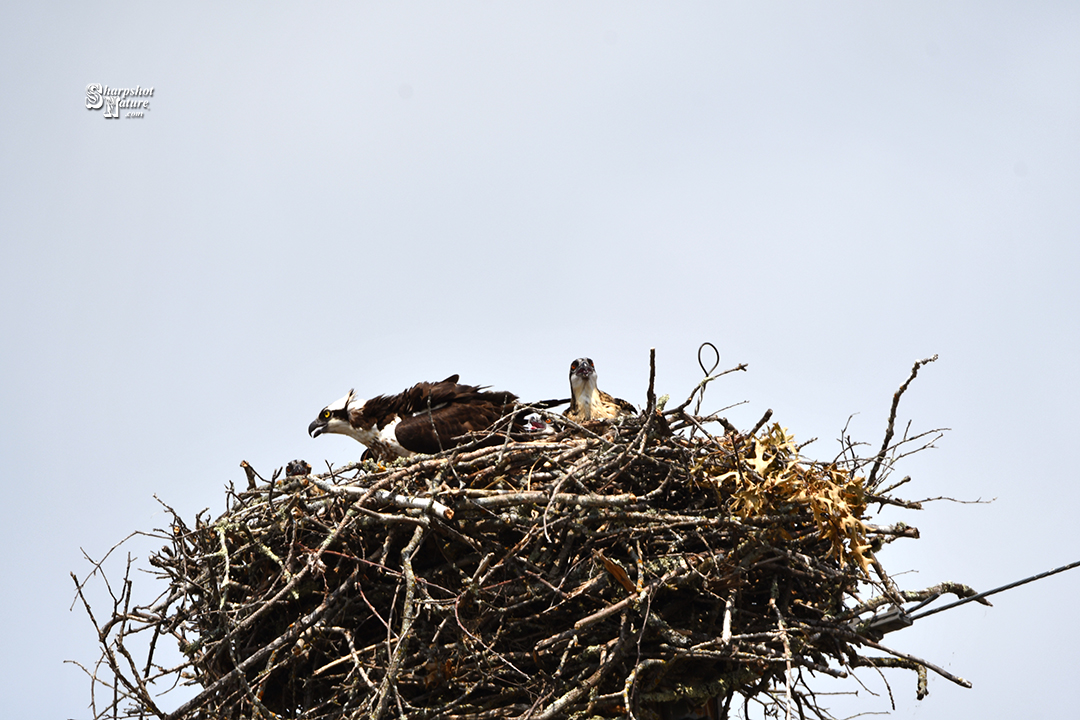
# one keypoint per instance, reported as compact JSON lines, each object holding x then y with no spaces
{"x":326,"y":414}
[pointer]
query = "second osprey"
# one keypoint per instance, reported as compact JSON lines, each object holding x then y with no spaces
{"x":587,"y":401}
{"x":426,"y":418}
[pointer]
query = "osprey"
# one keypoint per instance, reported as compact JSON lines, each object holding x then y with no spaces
{"x":587,"y":401}
{"x":426,"y":418}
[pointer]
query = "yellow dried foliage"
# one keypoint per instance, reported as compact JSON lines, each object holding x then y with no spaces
{"x":772,"y":480}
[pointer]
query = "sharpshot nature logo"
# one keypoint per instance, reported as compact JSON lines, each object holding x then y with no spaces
{"x":133,"y":102}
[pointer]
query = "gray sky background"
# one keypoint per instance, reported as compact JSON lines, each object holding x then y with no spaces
{"x":367,"y":195}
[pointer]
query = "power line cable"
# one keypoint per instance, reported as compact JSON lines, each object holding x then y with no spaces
{"x":981,"y":595}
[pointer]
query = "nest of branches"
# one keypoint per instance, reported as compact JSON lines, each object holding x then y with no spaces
{"x":650,"y":569}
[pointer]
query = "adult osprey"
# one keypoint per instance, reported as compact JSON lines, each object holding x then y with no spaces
{"x":587,"y":401}
{"x":426,"y":418}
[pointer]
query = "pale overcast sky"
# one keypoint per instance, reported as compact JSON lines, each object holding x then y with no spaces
{"x":370,"y":194}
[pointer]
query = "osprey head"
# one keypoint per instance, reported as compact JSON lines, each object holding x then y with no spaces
{"x":334,"y":418}
{"x":531,"y":422}
{"x":582,"y":374}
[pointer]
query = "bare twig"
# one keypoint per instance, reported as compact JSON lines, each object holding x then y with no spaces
{"x":871,"y":482}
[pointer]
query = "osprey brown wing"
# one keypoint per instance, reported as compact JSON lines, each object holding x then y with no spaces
{"x":434,"y":415}
{"x":619,"y":406}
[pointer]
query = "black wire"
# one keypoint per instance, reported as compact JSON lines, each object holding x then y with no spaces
{"x":1033,"y":578}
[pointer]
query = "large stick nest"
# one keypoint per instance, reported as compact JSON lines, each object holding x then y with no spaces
{"x":640,"y":569}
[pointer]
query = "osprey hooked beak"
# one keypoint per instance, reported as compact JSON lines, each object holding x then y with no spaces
{"x":337,"y":412}
{"x":581,"y":370}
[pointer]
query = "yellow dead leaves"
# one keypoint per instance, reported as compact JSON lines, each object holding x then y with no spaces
{"x":764,"y":477}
